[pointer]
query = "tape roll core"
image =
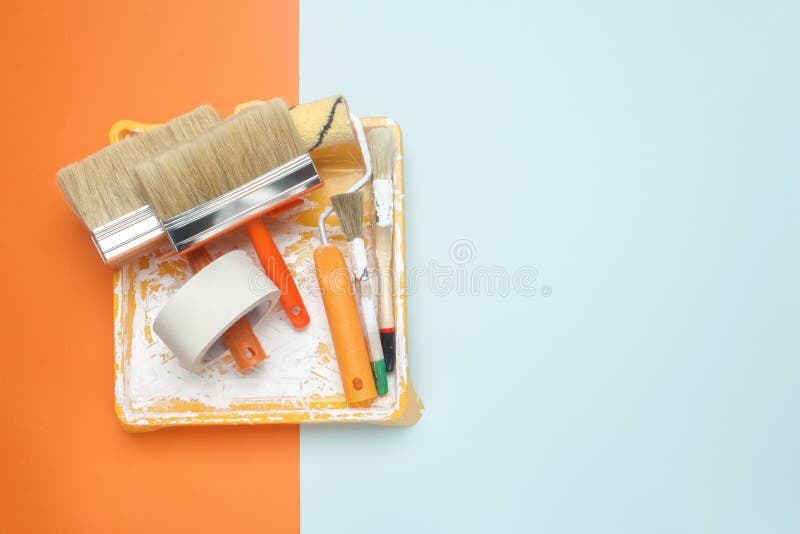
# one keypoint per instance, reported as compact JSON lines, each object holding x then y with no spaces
{"x":191,"y":324}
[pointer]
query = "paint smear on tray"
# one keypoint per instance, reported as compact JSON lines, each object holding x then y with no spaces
{"x":300,"y":365}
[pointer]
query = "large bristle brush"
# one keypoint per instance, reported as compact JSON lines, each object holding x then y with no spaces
{"x":249,"y":164}
{"x":104,"y":192}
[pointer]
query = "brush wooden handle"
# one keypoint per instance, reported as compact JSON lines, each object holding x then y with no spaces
{"x":239,"y":338}
{"x":348,"y":339}
{"x":275,"y":266}
{"x":370,"y":321}
{"x":383,"y":253}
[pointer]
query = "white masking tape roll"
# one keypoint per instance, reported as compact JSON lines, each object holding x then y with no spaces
{"x":191,"y":324}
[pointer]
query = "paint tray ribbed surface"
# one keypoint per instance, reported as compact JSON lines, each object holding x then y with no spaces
{"x":300,"y":381}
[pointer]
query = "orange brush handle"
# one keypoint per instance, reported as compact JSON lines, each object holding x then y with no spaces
{"x":348,"y":339}
{"x":275,"y":266}
{"x":244,"y":345}
{"x":239,"y":338}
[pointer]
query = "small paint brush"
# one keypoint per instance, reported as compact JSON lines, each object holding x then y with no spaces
{"x":381,"y":151}
{"x":350,"y":209}
{"x":250,"y":163}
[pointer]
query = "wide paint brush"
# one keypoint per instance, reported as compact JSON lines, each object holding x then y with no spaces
{"x":322,"y":124}
{"x":250,"y":163}
{"x":104,"y":192}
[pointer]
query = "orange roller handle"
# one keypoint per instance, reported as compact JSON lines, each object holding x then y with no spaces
{"x":275,"y":266}
{"x":348,"y":339}
{"x":243,"y":343}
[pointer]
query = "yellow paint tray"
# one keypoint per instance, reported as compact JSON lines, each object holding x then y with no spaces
{"x":300,"y":381}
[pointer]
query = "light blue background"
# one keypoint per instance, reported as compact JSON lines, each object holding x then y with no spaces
{"x":644,"y":157}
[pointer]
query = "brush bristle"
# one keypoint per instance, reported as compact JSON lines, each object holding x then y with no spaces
{"x":103,"y":187}
{"x":350,"y":209}
{"x":381,"y":152}
{"x":237,"y":150}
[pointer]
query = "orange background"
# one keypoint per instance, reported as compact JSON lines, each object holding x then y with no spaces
{"x":69,"y":71}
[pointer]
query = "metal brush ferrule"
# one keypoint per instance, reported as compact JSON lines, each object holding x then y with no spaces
{"x":124,"y":238}
{"x":238,"y":205}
